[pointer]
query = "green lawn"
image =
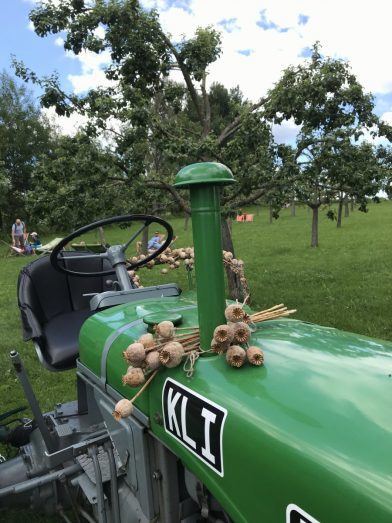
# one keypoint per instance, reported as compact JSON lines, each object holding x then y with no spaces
{"x":346,"y":283}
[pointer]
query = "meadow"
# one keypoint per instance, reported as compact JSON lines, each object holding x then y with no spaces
{"x":346,"y":283}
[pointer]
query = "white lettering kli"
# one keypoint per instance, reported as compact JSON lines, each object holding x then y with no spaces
{"x":185,"y":436}
{"x":209,"y":418}
{"x":171,"y":413}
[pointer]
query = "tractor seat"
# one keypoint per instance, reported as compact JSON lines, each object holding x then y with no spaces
{"x":53,"y":308}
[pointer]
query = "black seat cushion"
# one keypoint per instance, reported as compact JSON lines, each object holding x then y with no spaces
{"x":53,"y":306}
{"x":62,"y":335}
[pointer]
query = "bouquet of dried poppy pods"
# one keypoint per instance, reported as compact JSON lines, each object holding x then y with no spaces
{"x":232,"y":338}
{"x":166,"y":348}
{"x":169,"y":345}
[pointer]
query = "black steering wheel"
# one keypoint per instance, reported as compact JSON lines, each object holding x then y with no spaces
{"x":115,"y":253}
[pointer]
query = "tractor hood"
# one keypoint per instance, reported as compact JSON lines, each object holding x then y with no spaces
{"x":313,"y":426}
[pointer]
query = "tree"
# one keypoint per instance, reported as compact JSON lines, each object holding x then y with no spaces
{"x":142,"y":56}
{"x":24,"y":136}
{"x":327,"y":101}
{"x":76,"y":183}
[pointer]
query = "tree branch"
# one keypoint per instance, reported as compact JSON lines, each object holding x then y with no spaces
{"x":233,"y":127}
{"x":187,"y":78}
{"x":155,"y":184}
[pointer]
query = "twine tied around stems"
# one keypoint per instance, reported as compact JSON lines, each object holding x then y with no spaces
{"x":189,"y":365}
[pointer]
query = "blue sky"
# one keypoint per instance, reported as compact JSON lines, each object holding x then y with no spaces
{"x":259,"y":39}
{"x":40,"y":54}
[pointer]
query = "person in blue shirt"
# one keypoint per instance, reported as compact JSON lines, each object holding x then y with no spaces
{"x":36,"y":242}
{"x":156,"y":241}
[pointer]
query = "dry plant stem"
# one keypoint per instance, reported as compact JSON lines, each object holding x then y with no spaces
{"x":267,"y":313}
{"x":186,"y":328}
{"x":144,"y":386}
{"x":190,"y":348}
{"x":256,"y":318}
{"x":183,"y":340}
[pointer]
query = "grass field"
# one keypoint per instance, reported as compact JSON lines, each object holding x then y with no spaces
{"x":346,"y":283}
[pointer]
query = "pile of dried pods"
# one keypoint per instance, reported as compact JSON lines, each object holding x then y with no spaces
{"x":165,"y":348}
{"x":169,"y":345}
{"x":173,"y":258}
{"x":232,"y":338}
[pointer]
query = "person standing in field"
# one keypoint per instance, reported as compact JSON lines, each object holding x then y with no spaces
{"x":18,"y":233}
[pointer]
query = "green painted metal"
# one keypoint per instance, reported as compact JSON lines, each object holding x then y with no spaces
{"x":156,"y":317}
{"x":313,"y":427}
{"x":204,"y":181}
{"x":202,"y":173}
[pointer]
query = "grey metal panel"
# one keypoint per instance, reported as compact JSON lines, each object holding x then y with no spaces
{"x":112,"y":298}
{"x":121,"y":434}
{"x":89,"y":378}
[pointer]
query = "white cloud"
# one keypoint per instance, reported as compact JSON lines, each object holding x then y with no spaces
{"x":286,"y":132}
{"x":65,"y":125}
{"x":387,"y":117}
{"x":92,"y":74}
{"x":59,"y":41}
{"x":360,"y":35}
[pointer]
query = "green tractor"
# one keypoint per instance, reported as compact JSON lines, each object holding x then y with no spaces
{"x":304,"y":438}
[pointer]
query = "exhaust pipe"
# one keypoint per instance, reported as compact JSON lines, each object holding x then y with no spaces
{"x":205,"y":181}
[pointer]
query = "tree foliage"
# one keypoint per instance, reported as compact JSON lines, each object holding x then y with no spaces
{"x":333,"y":111}
{"x":24,"y":136}
{"x":154,"y":116}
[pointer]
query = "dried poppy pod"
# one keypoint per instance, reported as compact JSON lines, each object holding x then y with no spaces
{"x":182,"y":255}
{"x":241,"y":332}
{"x":152,"y":360}
{"x":235,"y":356}
{"x":142,"y":257}
{"x":165,"y":329}
{"x":164,"y":271}
{"x":134,"y":377}
{"x":163,"y":258}
{"x":227,"y":255}
{"x":147,"y":340}
{"x":135,"y":354}
{"x":131,"y":274}
{"x":219,"y":348}
{"x":134,"y":259}
{"x":255,"y":356}
{"x":122,"y":409}
{"x":150,"y":264}
{"x":223,"y":334}
{"x":171,"y":354}
{"x":234,"y":313}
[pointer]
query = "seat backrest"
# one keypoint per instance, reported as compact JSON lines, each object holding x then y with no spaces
{"x":47,"y":292}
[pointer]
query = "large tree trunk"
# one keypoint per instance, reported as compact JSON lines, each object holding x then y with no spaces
{"x":271,"y":215}
{"x":145,"y":241}
{"x":186,"y":222}
{"x":101,"y":234}
{"x":352,"y":204}
{"x":346,"y":209}
{"x":314,"y":239}
{"x":227,"y":244}
{"x":340,"y":212}
{"x":292,"y":207}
